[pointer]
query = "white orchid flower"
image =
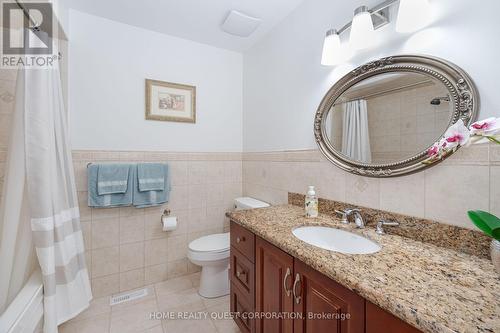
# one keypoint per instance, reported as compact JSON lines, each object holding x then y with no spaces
{"x":434,"y":150}
{"x":456,"y":135}
{"x":486,"y":127}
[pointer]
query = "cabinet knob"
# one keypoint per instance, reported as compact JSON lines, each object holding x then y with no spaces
{"x":239,"y":240}
{"x":295,"y":284}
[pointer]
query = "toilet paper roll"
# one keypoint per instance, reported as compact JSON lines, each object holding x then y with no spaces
{"x":169,"y":223}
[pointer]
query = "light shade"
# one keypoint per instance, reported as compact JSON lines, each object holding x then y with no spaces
{"x":413,"y":15}
{"x":362,"y":31}
{"x":331,"y":49}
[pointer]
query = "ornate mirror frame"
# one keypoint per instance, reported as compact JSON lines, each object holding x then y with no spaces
{"x":463,"y":94}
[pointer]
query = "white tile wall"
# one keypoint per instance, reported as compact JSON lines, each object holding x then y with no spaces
{"x":126,"y":247}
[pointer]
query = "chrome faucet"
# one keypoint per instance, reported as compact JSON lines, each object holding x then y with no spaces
{"x":382,"y":223}
{"x":358,"y":219}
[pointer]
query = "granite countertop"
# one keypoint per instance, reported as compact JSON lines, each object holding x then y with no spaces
{"x":433,"y":288}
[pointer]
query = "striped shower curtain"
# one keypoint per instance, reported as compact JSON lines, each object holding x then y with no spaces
{"x":52,"y":198}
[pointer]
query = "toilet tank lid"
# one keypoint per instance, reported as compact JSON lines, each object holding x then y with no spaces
{"x":247,"y":202}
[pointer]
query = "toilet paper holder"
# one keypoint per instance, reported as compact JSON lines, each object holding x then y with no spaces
{"x":166,"y":213}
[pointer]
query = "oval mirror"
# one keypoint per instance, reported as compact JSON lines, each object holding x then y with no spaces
{"x":380,"y":119}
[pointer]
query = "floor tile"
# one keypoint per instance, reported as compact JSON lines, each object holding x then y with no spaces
{"x":195,"y":279}
{"x":98,"y":306}
{"x":210,"y":302}
{"x":189,"y":326}
{"x":130,"y":304}
{"x":156,"y":329}
{"x":221,"y":317}
{"x":173,"y":285}
{"x":96,"y":324}
{"x":135,"y":318}
{"x":226,"y":326}
{"x":176,"y":295}
{"x":184,"y":300}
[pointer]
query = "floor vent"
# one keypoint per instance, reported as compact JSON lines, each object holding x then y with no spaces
{"x":128,"y":296}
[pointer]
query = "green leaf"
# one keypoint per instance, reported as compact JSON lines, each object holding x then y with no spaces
{"x":488,"y":223}
{"x":493,"y":139}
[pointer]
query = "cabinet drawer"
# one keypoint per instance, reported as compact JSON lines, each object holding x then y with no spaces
{"x":241,"y":307}
{"x":242,"y":273}
{"x":243,"y":240}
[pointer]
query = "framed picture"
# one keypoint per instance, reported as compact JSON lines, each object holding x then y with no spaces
{"x":168,"y":101}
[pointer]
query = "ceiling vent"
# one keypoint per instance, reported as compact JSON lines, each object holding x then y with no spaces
{"x":240,"y":24}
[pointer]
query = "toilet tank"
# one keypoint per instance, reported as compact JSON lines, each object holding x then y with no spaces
{"x":249,"y":203}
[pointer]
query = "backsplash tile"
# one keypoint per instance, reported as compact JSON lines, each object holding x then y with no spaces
{"x":495,"y":190}
{"x":404,"y":195}
{"x":448,"y":198}
{"x":363,"y":191}
{"x":126,"y":247}
{"x":463,"y":181}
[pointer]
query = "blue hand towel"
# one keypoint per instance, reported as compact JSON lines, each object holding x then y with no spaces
{"x":112,"y":178}
{"x":152,"y":198}
{"x":151,"y":176}
{"x":109,"y":200}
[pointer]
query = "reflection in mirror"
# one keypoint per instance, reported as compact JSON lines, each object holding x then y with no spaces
{"x":389,"y":117}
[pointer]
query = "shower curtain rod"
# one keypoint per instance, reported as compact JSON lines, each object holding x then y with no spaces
{"x":27,"y":14}
{"x":380,"y":93}
{"x":36,"y":26}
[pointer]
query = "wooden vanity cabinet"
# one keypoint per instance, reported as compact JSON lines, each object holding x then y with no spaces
{"x":266,"y":280}
{"x":242,"y":277}
{"x":324,"y":305}
{"x":274,"y":269}
{"x":381,"y":321}
{"x":316,"y":304}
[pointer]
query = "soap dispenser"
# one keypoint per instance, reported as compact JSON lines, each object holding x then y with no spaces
{"x":311,"y":204}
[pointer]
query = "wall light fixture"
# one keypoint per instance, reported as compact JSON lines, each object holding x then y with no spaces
{"x":412,"y":15}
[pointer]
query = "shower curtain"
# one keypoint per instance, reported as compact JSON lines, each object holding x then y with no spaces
{"x":17,"y":254}
{"x":355,"y":133}
{"x":51,"y":196}
{"x":53,"y":202}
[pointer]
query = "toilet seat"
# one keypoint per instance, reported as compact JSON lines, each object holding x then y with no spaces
{"x":211,"y":243}
{"x":209,"y":248}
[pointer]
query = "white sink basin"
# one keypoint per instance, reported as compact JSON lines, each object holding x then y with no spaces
{"x":336,"y":240}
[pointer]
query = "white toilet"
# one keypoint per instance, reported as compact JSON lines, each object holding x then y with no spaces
{"x":212,"y":254}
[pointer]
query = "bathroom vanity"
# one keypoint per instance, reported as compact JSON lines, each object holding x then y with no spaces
{"x":282,"y":284}
{"x":266,"y":279}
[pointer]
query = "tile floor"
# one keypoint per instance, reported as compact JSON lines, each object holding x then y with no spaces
{"x":171,"y":296}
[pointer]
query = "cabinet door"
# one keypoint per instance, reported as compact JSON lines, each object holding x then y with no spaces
{"x":323,"y":305}
{"x":274,"y":270}
{"x":381,"y":321}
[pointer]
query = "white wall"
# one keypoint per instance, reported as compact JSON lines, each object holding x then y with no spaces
{"x":109,"y":63}
{"x":284,"y":81}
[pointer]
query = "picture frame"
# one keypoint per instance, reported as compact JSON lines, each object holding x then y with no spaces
{"x":167,"y":101}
